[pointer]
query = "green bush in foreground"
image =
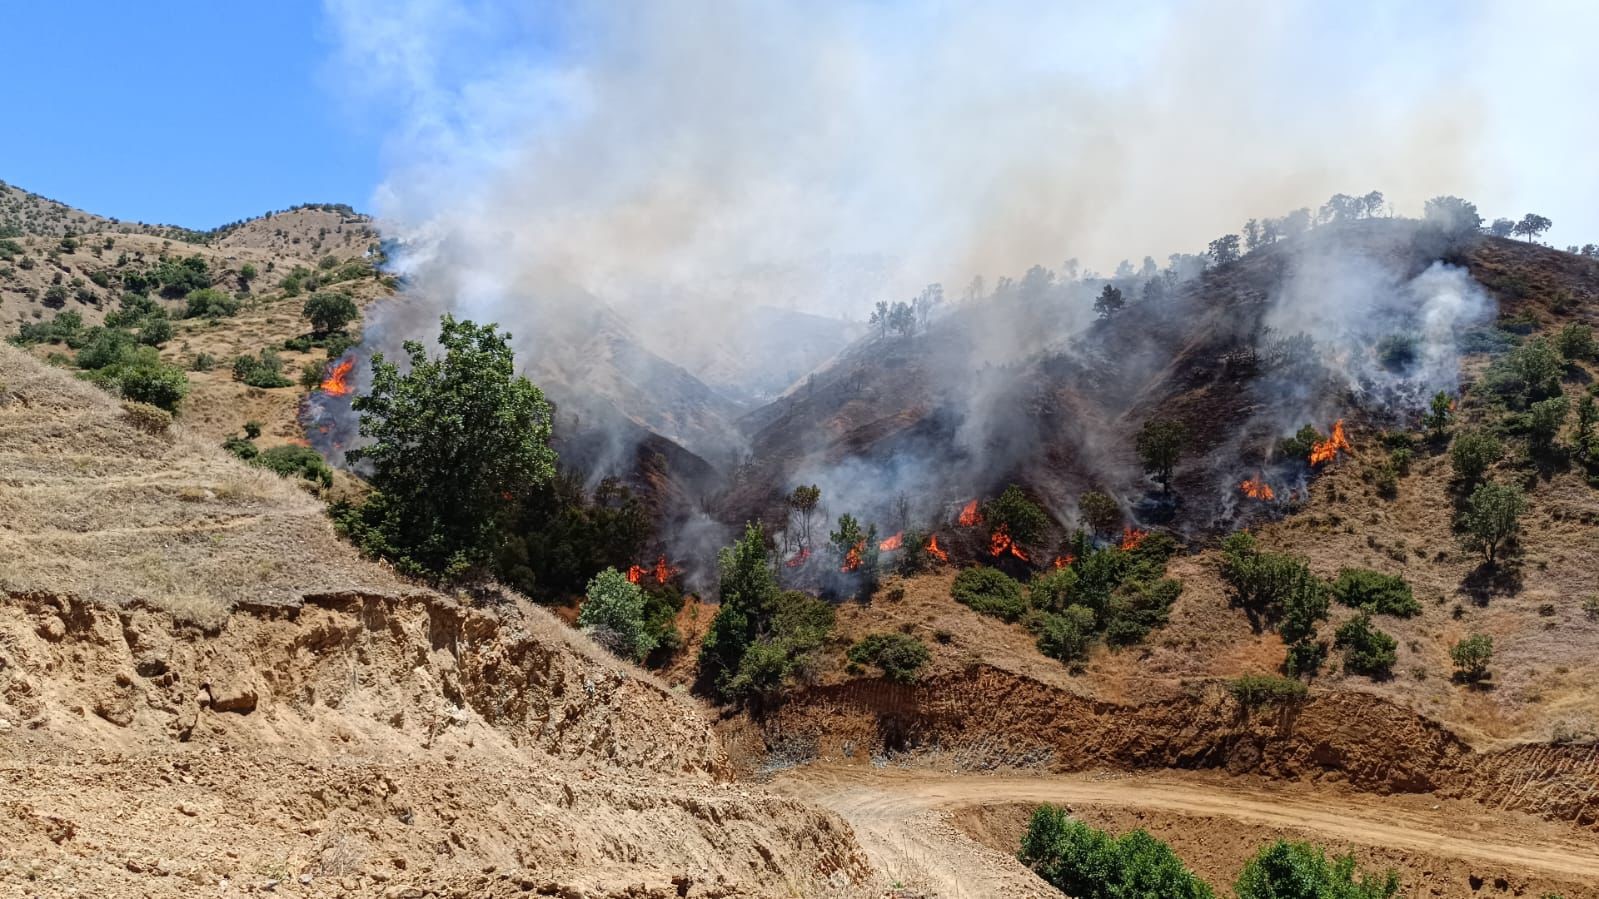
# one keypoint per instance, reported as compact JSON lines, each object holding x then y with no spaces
{"x":613,"y":614}
{"x":1287,"y":870}
{"x":296,"y":461}
{"x":1367,"y":650}
{"x":1087,"y":863}
{"x":900,"y":656}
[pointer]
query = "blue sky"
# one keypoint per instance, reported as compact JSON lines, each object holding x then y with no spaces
{"x":189,"y":112}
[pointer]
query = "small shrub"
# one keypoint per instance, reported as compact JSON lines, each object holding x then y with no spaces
{"x":297,"y":461}
{"x":154,"y":382}
{"x":1471,"y":657}
{"x":1066,"y":636}
{"x":1375,"y":592}
{"x":264,"y":370}
{"x":900,"y":656}
{"x":1472,"y":453}
{"x":147,"y":418}
{"x":252,"y":429}
{"x":1575,"y":342}
{"x":989,"y":591}
{"x":1305,"y":657}
{"x":1367,"y":650}
{"x":209,"y":303}
{"x":1265,"y":689}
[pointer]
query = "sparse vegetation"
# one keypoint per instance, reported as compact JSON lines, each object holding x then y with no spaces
{"x":1278,"y":589}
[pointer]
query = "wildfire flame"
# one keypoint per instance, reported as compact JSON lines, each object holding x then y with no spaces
{"x":799,"y":558}
{"x":1255,"y":488}
{"x":337,"y":383}
{"x":1327,"y":450}
{"x":852,"y":559}
{"x":1000,"y":543}
{"x":1132,"y":538}
{"x":660,"y":572}
{"x":1064,"y":561}
{"x":969,"y":516}
{"x":892,"y":543}
{"x":936,"y":551}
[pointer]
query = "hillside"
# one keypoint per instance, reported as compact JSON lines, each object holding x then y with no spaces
{"x":201,"y":685}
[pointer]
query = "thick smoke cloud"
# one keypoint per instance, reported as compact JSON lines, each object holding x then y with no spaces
{"x":686,"y":163}
{"x":661,"y":176}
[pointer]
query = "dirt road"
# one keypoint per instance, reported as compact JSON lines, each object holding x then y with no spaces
{"x":905,"y":820}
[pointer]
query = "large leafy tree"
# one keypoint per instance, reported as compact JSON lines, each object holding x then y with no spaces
{"x":1160,"y":444}
{"x":614,"y":615}
{"x":330,"y":311}
{"x":454,"y":440}
{"x":1493,"y":518}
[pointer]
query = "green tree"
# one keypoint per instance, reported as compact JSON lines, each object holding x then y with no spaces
{"x":853,"y":548}
{"x":900,"y":656}
{"x":1544,"y":421}
{"x":1532,"y":225}
{"x":1575,"y":342}
{"x":802,"y":503}
{"x":453,"y":442}
{"x":1100,"y":511}
{"x":1583,"y":437}
{"x":1223,"y":249}
{"x":1452,"y":215}
{"x":990,"y":592}
{"x":154,"y":382}
{"x":329,"y":311}
{"x":209,"y":302}
{"x":1285,"y":870}
{"x":1493,"y":518}
{"x":613,"y":614}
{"x":1367,"y":650}
{"x":1472,"y":656}
{"x":1472,"y":453}
{"x":748,"y":592}
{"x":1017,"y":515}
{"x":155,"y":331}
{"x":1160,"y":445}
{"x":1375,"y":592}
{"x":1109,"y":302}
{"x":1088,"y":863}
{"x":1439,"y":415}
{"x":1066,"y":636}
{"x":1539,"y":366}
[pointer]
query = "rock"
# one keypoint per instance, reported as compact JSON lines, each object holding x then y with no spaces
{"x":239,"y":697}
{"x":51,"y":628}
{"x":151,"y":666}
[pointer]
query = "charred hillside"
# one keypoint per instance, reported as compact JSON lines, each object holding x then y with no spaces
{"x":1027,"y":385}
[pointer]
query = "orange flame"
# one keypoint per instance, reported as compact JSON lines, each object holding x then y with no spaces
{"x":936,"y":551}
{"x":799,"y":558}
{"x":1327,"y":450}
{"x":1064,"y":561}
{"x":1132,"y":538}
{"x":892,"y":543}
{"x":1255,"y":488}
{"x":969,"y":516}
{"x":852,"y":559}
{"x":337,"y":382}
{"x":661,"y":572}
{"x":1000,"y":543}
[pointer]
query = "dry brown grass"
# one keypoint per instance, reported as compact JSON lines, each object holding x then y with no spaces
{"x":94,"y":506}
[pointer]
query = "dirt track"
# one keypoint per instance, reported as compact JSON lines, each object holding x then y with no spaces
{"x":904,"y":820}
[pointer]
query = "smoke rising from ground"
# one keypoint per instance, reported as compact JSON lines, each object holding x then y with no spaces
{"x":684,"y":163}
{"x":668,"y":172}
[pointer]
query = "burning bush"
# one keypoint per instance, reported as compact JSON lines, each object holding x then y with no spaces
{"x":558,"y":536}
